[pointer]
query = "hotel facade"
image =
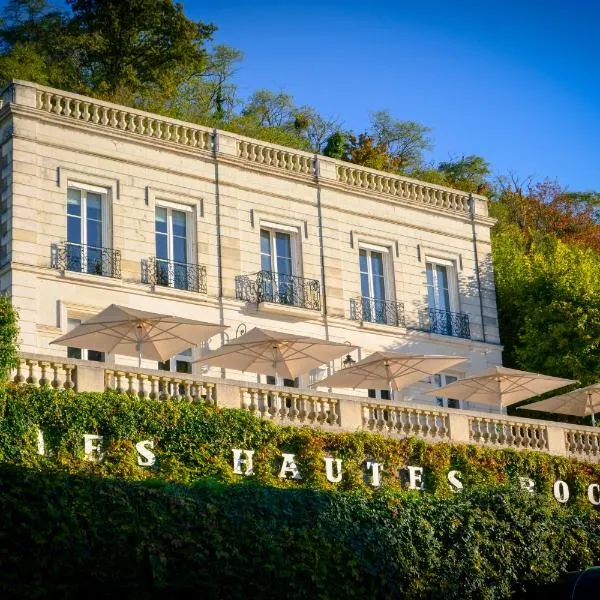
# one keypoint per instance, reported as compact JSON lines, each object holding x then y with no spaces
{"x":105,"y":204}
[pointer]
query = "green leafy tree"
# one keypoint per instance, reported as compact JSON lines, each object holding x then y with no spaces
{"x":468,"y":173}
{"x":406,"y":141}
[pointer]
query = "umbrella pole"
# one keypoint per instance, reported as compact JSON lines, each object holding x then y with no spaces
{"x":592,"y":409}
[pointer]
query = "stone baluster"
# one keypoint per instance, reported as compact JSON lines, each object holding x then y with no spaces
{"x":131,"y":377}
{"x":19,"y":378}
{"x":119,"y":381}
{"x":163,"y":388}
{"x":253,"y":406}
{"x":142,"y":394}
{"x":211,"y":393}
{"x":55,"y":380}
{"x":246,"y":400}
{"x":31,"y":378}
{"x":153,"y":387}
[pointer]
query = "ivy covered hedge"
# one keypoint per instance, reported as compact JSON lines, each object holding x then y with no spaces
{"x":194,"y":441}
{"x":64,"y":536}
{"x":190,"y":526}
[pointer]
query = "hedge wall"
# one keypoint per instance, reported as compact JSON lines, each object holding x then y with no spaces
{"x":189,"y":526}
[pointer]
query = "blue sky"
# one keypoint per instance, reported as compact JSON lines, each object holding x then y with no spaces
{"x":515,"y":82}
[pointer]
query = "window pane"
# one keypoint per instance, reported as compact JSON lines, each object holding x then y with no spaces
{"x":179,"y":223}
{"x":377,"y":263}
{"x":378,"y":288}
{"x":161,"y":219}
{"x":94,"y":233}
{"x":265,"y":242}
{"x":179,"y":249}
{"x":183,"y":366}
{"x":162,"y":246}
{"x":362,"y":261}
{"x":283,"y":244}
{"x":94,"y":206}
{"x":74,"y":229}
{"x":73,"y":202}
{"x":265,"y":250}
{"x":74,"y":353}
{"x":364,"y":285}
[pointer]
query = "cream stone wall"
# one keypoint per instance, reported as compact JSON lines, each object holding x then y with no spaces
{"x":232,"y":186}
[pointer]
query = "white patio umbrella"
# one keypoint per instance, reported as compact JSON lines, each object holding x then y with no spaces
{"x":499,"y":386}
{"x":389,"y":370}
{"x":580,"y":403}
{"x":133,"y":332}
{"x":274,"y":353}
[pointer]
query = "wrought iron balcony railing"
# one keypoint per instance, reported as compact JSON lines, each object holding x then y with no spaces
{"x":69,"y":256}
{"x":178,"y":275}
{"x":373,"y":310}
{"x":268,"y":286}
{"x":445,"y":322}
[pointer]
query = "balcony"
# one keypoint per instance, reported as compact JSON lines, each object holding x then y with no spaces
{"x":323,"y":410}
{"x":445,"y":322}
{"x":173,"y":274}
{"x":81,"y":258}
{"x":373,"y":310}
{"x":278,"y":288}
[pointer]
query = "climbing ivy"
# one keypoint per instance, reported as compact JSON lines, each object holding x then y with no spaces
{"x":189,"y":526}
{"x":9,"y":331}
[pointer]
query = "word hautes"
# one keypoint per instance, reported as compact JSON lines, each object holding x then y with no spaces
{"x":243,"y":465}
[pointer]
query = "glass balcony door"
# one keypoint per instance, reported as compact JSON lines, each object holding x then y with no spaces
{"x":84,"y":231}
{"x":438,"y":294}
{"x":439,"y":298}
{"x":277,"y":265}
{"x":171,"y":248}
{"x":372,"y":285}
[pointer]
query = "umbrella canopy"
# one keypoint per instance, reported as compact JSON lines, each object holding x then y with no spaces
{"x":133,"y":332}
{"x":274,"y":353}
{"x":499,"y":386}
{"x":581,"y":403}
{"x":389,"y":370}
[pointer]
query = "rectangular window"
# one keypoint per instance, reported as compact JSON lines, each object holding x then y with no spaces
{"x":379,"y":394}
{"x":439,"y":380}
{"x":86,"y":231}
{"x":438,"y":291}
{"x":173,"y":235}
{"x":280,"y":381}
{"x":372,"y":266}
{"x":79,"y":353}
{"x":277,"y":260}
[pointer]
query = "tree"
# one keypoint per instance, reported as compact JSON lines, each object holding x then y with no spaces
{"x":338,"y":145}
{"x":469,"y":173}
{"x":126,"y":50}
{"x":406,"y":141}
{"x":211,"y":96}
{"x":270,"y":109}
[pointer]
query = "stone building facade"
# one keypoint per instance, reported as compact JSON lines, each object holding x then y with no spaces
{"x":105,"y":204}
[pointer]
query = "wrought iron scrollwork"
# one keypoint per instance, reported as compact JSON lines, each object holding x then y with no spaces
{"x":279,"y":288}
{"x":373,"y":310}
{"x":445,"y":322}
{"x":82,"y":258}
{"x":178,"y":275}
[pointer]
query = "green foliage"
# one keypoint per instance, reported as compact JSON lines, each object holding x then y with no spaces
{"x":9,"y":332}
{"x":190,"y":526}
{"x":548,"y":285}
{"x":123,"y":50}
{"x":195,"y":441}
